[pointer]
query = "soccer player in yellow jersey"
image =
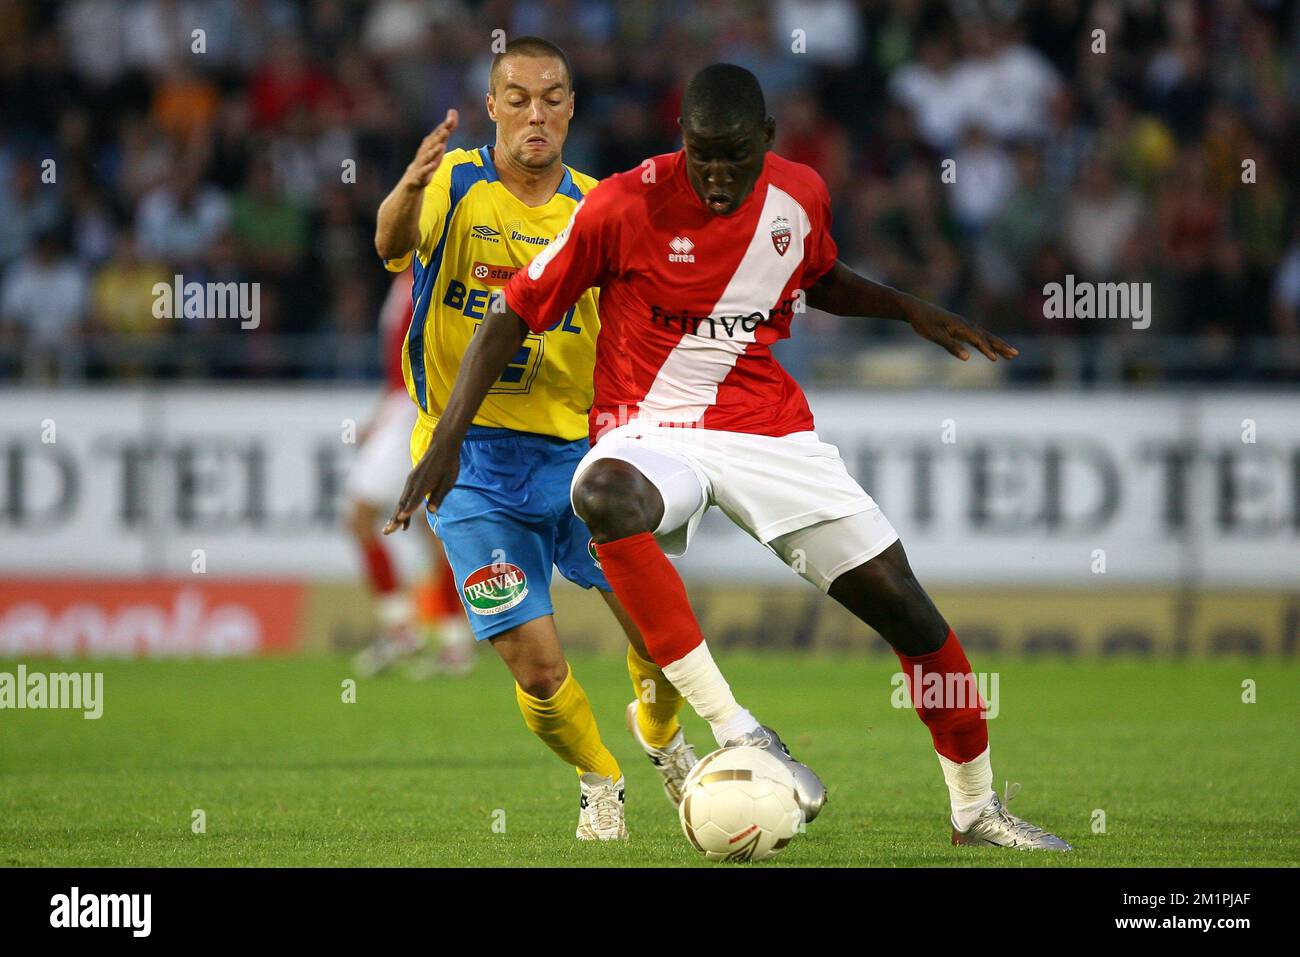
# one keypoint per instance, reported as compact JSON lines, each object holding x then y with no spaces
{"x":465,"y":221}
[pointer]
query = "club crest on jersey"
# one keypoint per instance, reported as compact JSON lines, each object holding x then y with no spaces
{"x":495,"y":588}
{"x":681,"y":250}
{"x":781,"y":234}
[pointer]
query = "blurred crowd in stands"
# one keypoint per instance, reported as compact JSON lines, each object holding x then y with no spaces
{"x":252,"y":140}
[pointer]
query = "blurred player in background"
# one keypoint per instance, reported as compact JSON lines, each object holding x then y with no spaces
{"x":465,"y":221}
{"x":703,"y":257}
{"x":407,"y":616}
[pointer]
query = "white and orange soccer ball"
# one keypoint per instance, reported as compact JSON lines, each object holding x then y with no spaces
{"x":738,"y":804}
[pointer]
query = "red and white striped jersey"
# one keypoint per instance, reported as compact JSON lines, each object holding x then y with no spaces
{"x":690,"y":301}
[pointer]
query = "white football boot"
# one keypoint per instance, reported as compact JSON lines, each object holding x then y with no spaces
{"x":601,"y":814}
{"x":673,"y":761}
{"x":999,"y":827}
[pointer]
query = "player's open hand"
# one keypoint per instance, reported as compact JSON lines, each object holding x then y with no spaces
{"x":427,"y":485}
{"x":954,"y":333}
{"x":429,"y":156}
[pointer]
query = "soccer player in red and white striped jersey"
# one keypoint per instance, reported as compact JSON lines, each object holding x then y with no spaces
{"x":703,"y":257}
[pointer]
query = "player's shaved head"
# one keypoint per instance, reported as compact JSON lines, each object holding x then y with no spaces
{"x":530,"y":47}
{"x":723,"y":95}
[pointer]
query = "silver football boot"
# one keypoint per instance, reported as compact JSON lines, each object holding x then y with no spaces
{"x":998,"y":827}
{"x":808,"y":787}
{"x":673,"y":761}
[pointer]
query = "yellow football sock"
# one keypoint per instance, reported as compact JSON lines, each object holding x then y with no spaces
{"x":566,"y":725}
{"x":657,"y":717}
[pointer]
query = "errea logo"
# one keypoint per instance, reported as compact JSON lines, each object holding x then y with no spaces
{"x":681,"y":250}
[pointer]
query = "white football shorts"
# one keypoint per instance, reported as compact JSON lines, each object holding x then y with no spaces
{"x":792,"y":493}
{"x":383,"y":461}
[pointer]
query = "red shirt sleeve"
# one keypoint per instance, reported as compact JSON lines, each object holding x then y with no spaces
{"x":577,"y":259}
{"x":820,"y":251}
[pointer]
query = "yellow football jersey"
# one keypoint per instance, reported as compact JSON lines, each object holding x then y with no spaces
{"x":474,"y":235}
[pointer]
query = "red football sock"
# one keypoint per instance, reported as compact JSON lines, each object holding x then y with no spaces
{"x":960,"y":733}
{"x":652,"y":592}
{"x":379,"y":567}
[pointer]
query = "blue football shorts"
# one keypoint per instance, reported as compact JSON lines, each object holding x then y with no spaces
{"x":508,"y":523}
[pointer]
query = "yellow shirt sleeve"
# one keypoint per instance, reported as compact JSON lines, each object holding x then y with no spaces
{"x":437,"y":200}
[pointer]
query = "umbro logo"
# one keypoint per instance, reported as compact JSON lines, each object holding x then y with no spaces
{"x":681,"y":250}
{"x":485,"y":232}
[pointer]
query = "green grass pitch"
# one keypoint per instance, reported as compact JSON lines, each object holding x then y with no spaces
{"x":286,"y":773}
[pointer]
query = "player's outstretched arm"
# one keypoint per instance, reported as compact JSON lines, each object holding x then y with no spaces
{"x":490,"y":351}
{"x":397,"y":227}
{"x":843,"y":292}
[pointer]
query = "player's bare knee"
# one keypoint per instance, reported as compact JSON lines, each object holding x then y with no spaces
{"x":616,"y":500}
{"x":542,"y":679}
{"x":538,"y":687}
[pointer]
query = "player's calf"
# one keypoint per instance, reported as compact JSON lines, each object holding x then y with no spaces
{"x":884,"y":594}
